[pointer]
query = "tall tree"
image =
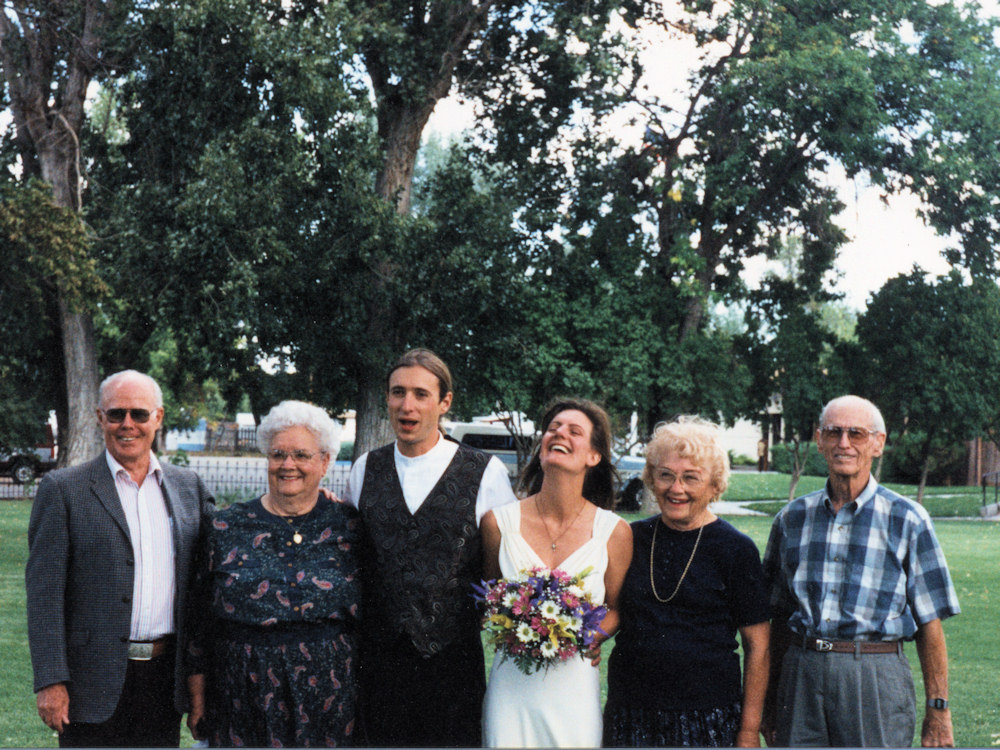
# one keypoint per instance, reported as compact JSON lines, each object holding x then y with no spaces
{"x":931,"y":360}
{"x":900,"y":91}
{"x":792,"y":351}
{"x":50,"y":52}
{"x":45,"y":249}
{"x":524,"y":56}
{"x":301,"y":215}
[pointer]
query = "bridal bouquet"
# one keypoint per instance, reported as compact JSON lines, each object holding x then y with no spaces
{"x":540,"y":617}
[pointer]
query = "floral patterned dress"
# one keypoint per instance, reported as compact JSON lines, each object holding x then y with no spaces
{"x":279,"y":603}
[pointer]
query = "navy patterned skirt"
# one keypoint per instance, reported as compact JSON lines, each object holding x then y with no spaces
{"x":641,"y":726}
{"x":286,"y":687}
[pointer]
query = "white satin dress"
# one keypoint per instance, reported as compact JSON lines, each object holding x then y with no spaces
{"x":561,"y":706}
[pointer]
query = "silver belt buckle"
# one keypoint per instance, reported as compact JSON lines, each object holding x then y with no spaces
{"x":140,"y":650}
{"x":822,"y":645}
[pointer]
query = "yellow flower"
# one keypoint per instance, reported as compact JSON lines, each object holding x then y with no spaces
{"x":502,"y":620}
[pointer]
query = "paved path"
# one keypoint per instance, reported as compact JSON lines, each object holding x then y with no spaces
{"x":734,"y":508}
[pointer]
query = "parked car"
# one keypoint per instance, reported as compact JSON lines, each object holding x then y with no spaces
{"x":23,"y":466}
{"x":26,"y":464}
{"x":488,"y":437}
{"x":630,"y":487}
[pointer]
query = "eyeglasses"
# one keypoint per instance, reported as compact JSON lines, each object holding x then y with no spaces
{"x":299,"y":457}
{"x":690,"y":480}
{"x":117,"y":416}
{"x":856,"y":435}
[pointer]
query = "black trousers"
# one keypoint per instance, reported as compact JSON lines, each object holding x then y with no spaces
{"x":145,"y":715}
{"x":408,"y":700}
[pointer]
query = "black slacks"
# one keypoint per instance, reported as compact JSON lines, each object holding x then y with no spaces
{"x":408,"y":700}
{"x":145,"y":715}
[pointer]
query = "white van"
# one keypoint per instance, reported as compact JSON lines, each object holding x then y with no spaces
{"x":489,"y":437}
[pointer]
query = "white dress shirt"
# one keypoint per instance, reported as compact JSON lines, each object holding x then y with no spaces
{"x":149,"y":526}
{"x":418,"y":475}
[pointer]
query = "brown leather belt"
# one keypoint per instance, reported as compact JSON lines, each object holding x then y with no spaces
{"x":146,"y":650}
{"x":852,"y":647}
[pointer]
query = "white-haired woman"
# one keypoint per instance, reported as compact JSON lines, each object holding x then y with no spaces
{"x":694,"y":582}
{"x":274,"y":662}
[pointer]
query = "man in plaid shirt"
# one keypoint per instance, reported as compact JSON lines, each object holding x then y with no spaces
{"x":855,"y":570}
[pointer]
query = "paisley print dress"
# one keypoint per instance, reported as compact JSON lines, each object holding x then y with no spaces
{"x":279,"y":604}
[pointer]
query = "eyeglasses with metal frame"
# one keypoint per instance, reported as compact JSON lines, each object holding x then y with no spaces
{"x":856,"y":435}
{"x":299,"y":457}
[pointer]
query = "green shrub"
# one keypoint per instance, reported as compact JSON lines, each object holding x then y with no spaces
{"x":346,"y":449}
{"x":813,"y":461}
{"x":180,"y":458}
{"x":903,"y":463}
{"x":740,"y":459}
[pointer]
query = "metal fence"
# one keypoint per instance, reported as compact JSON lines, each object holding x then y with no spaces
{"x":228,"y":479}
{"x":232,"y":479}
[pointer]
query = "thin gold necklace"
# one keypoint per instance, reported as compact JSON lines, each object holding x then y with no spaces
{"x":289,"y":519}
{"x":680,"y":580}
{"x":561,"y":535}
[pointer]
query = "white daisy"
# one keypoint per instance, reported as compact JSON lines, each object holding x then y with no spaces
{"x":549,"y":609}
{"x":525,"y":634}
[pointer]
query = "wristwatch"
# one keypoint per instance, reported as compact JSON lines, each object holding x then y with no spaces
{"x":939,"y":703}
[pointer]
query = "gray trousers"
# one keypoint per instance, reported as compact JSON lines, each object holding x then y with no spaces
{"x":845,"y":700}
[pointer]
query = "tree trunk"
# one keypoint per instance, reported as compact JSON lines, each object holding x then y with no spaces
{"x":58,"y":156}
{"x":83,"y":440}
{"x":924,"y":471}
{"x":400,"y":129}
{"x":372,"y":427}
{"x":797,"y":467}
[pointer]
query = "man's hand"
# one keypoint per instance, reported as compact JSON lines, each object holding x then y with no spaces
{"x":53,"y":706}
{"x":748,"y":738}
{"x":936,"y":730}
{"x":329,"y":495}
{"x":196,"y":693}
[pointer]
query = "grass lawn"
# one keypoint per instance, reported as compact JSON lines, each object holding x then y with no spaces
{"x":972,"y":549}
{"x":770,"y":491}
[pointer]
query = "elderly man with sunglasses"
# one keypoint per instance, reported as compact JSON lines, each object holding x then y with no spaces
{"x":855,"y":570}
{"x":110,"y":548}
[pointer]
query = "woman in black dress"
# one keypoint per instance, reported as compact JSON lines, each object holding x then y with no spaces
{"x":693,"y":584}
{"x":274,"y":661}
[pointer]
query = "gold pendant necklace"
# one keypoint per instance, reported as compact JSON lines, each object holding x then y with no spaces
{"x":290,"y":520}
{"x":680,"y":580}
{"x":547,"y":532}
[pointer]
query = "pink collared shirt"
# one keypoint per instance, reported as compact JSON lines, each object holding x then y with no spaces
{"x":153,"y":547}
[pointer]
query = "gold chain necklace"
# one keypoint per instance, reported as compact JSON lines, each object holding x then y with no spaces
{"x":547,"y":532}
{"x":290,"y":520}
{"x":652,"y":547}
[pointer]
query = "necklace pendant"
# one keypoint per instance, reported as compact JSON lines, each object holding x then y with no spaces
{"x":553,"y":545}
{"x":297,"y":538}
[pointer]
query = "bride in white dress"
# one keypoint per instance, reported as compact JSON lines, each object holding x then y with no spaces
{"x":562,"y":524}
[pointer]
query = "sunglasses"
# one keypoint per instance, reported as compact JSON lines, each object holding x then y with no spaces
{"x":117,"y":416}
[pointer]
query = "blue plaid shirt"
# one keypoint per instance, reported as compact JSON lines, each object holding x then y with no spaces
{"x":871,"y":572}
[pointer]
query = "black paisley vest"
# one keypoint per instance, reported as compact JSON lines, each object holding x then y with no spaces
{"x":419,"y":568}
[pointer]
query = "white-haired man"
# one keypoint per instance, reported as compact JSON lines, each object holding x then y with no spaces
{"x":855,"y":570}
{"x":110,"y":547}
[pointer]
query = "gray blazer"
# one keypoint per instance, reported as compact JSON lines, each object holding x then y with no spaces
{"x":79,"y":581}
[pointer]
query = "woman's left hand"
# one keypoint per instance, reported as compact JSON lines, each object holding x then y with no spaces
{"x":748,"y":738}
